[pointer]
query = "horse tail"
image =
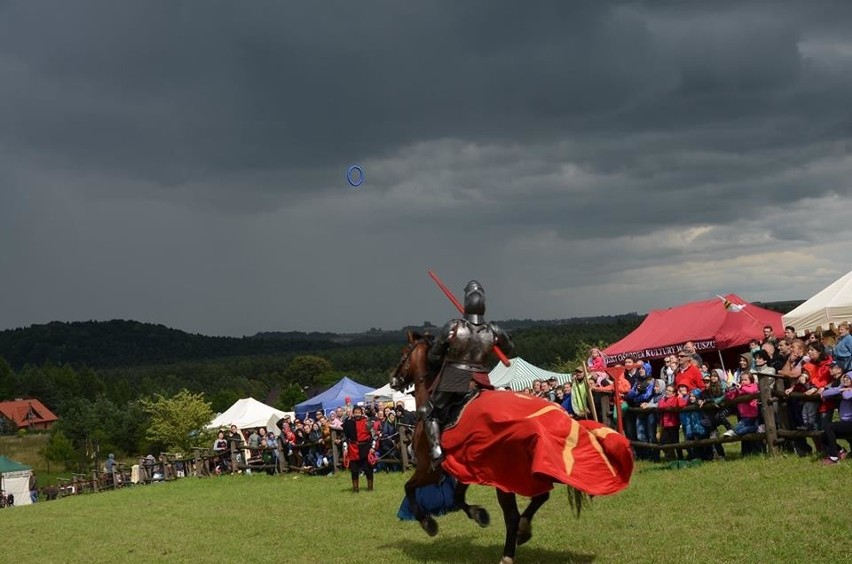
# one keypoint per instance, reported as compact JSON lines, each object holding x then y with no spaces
{"x":577,"y":499}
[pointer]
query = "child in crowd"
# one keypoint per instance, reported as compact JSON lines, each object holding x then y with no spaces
{"x":597,"y":361}
{"x":746,"y":410}
{"x":715,"y":393}
{"x":670,"y":433}
{"x":803,"y":412}
{"x":693,"y":430}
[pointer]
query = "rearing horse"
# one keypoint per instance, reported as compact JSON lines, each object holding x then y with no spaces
{"x":413,"y":367}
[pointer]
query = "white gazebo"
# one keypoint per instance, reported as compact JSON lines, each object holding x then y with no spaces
{"x":826,"y":308}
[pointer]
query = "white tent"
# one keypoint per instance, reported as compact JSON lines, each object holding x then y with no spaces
{"x":520,"y":374}
{"x":831,"y":305}
{"x":15,"y":480}
{"x":386,"y":393}
{"x":248,"y":413}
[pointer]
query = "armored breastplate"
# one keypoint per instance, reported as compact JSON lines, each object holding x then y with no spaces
{"x":471,"y":345}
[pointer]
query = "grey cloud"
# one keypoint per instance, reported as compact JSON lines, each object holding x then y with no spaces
{"x":185,"y":161}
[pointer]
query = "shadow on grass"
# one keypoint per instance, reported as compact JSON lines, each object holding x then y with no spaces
{"x":461,"y":549}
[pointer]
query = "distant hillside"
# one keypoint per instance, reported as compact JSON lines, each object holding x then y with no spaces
{"x":121,"y":343}
{"x":130,"y":343}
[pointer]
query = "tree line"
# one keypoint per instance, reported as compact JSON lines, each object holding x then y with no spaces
{"x":106,"y":404}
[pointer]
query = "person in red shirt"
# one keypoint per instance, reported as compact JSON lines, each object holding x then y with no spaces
{"x":818,"y":367}
{"x":359,"y":437}
{"x":670,"y":433}
{"x":688,"y":374}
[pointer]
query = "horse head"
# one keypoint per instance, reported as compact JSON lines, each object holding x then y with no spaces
{"x":413,"y":367}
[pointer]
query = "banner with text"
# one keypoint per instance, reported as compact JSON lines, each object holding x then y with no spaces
{"x":659,"y":352}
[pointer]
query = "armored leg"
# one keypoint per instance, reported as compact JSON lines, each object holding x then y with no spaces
{"x":433,"y":434}
{"x":429,"y":413}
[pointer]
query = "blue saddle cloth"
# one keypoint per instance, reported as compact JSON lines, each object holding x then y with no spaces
{"x":436,"y":499}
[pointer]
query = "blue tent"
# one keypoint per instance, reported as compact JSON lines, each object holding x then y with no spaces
{"x":333,"y":397}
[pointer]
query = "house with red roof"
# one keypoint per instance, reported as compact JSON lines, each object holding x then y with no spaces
{"x":26,"y":414}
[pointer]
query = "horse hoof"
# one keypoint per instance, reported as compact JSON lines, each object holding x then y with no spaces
{"x":507,"y":560}
{"x":480,"y":516}
{"x":430,"y":526}
{"x":524,"y":530}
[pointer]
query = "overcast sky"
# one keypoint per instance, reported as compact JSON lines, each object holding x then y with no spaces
{"x":184,"y":163}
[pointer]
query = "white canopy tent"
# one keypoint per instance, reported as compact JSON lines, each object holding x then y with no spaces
{"x":386,"y":393}
{"x":521,"y":374}
{"x":15,"y":480}
{"x":248,"y":413}
{"x":830,"y":306}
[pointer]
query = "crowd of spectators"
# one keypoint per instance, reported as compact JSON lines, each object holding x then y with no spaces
{"x":814,"y":373}
{"x":308,"y":442}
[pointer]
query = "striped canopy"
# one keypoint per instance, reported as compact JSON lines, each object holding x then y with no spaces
{"x":521,"y":374}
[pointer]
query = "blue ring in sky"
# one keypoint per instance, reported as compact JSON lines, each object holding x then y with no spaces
{"x":349,"y":172}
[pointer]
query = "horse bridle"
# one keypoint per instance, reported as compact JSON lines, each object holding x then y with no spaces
{"x":405,"y":362}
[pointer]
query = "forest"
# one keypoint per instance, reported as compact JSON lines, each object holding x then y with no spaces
{"x":98,"y":377}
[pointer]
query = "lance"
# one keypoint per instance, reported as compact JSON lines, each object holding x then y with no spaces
{"x":500,"y":354}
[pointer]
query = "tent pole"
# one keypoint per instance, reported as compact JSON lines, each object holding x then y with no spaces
{"x":722,"y":361}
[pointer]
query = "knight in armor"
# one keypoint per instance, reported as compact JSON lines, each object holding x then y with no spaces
{"x":460,"y":353}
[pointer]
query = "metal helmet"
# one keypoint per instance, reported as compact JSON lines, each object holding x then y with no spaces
{"x":474,"y":301}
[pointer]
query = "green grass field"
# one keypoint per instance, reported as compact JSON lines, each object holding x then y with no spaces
{"x":760,"y":509}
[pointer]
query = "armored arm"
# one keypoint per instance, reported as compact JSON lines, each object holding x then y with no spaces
{"x":503,"y":340}
{"x":439,"y":348}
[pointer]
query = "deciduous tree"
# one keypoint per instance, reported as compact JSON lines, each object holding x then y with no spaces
{"x":305,"y":369}
{"x":178,"y":421}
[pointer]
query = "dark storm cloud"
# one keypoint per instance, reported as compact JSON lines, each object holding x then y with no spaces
{"x":179,"y":150}
{"x":174,"y":93}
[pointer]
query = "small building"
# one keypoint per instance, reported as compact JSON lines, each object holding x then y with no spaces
{"x":28,"y":414}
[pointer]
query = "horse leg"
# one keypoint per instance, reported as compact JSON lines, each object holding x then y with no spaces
{"x":525,"y":522}
{"x":476,"y":512}
{"x":427,"y":522}
{"x":511,"y":517}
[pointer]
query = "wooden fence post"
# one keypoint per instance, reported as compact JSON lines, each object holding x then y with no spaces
{"x":403,"y":449}
{"x":765,"y":383}
{"x":606,"y":415}
{"x":335,"y":433}
{"x":283,"y":463}
{"x":234,"y":465}
{"x":143,"y":472}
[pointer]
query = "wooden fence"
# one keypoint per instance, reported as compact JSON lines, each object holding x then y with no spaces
{"x":772,"y":402}
{"x":207,"y":462}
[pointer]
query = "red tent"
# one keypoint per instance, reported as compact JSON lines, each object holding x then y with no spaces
{"x":712,"y":325}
